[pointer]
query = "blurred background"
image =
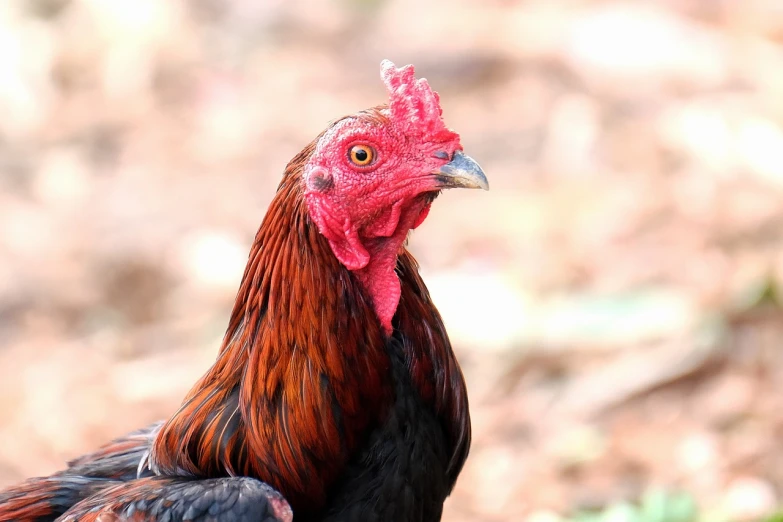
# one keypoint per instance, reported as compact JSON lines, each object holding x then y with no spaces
{"x":614,"y":299}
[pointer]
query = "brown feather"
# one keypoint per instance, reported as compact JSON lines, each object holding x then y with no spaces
{"x":287,"y":377}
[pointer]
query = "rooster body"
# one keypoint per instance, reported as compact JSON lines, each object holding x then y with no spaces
{"x":336,"y":384}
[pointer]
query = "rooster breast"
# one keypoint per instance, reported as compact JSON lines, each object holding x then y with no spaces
{"x":401,"y":472}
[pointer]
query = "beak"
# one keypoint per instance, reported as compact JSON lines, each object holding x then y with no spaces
{"x":461,"y":172}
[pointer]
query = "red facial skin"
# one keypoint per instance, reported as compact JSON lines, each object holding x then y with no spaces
{"x":366,"y":212}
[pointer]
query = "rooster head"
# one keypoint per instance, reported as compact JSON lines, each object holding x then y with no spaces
{"x":373,"y":176}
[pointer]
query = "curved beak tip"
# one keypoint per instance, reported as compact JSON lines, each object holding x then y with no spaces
{"x":462,"y":172}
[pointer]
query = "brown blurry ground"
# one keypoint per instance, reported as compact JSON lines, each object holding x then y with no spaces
{"x":613,"y":299}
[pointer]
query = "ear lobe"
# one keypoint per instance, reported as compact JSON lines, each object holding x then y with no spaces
{"x":319,"y":180}
{"x":339,"y":231}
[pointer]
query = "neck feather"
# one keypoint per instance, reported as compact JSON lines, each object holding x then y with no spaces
{"x":281,"y":401}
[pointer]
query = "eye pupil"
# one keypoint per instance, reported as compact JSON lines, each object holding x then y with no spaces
{"x":361,"y":155}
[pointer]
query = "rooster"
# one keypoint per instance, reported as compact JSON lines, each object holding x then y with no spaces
{"x":336,"y":395}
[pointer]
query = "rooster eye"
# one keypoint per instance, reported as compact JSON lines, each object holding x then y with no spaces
{"x":361,"y":155}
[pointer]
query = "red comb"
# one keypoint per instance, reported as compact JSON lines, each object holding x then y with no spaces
{"x":413,"y":100}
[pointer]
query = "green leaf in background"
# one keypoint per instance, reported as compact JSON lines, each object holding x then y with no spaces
{"x":765,"y":292}
{"x":657,"y":505}
{"x":662,"y":506}
{"x":777,"y":517}
{"x":622,"y":512}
